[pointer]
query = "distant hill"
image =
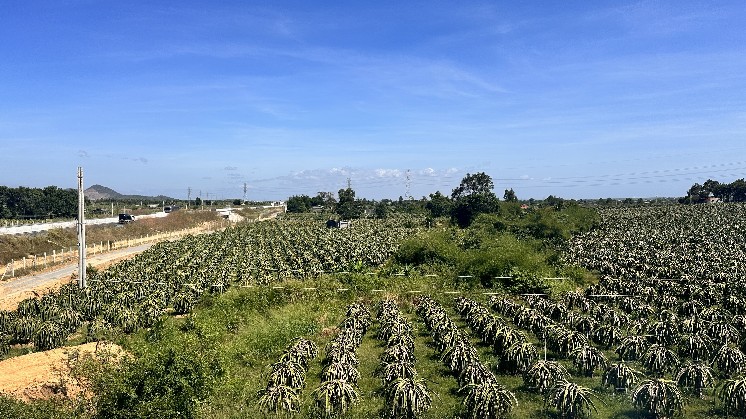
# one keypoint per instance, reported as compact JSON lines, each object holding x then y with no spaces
{"x":100,"y":192}
{"x":97,"y":192}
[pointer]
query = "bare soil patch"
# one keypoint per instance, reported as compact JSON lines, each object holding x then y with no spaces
{"x":10,"y":301}
{"x":43,"y":375}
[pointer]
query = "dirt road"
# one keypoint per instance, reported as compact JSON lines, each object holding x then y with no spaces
{"x":15,"y":290}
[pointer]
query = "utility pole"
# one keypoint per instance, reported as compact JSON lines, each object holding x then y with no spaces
{"x":81,"y":231}
{"x":244,"y":192}
{"x":349,"y":183}
{"x":189,"y":196}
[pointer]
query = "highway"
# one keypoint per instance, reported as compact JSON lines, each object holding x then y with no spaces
{"x":37,"y":228}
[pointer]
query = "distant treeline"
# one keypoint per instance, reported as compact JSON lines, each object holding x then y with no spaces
{"x":726,"y":192}
{"x":28,"y":203}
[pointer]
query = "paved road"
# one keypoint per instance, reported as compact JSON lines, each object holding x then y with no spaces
{"x":31,"y":282}
{"x":36,"y":228}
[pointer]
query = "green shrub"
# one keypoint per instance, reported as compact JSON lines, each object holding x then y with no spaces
{"x":427,"y":248}
{"x":40,"y":409}
{"x":169,"y":380}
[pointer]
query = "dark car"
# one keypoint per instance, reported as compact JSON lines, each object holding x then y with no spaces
{"x":126,"y":218}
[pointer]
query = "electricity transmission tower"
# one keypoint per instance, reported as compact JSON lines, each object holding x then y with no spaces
{"x":407,"y":195}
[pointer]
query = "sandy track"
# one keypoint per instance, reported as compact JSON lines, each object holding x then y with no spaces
{"x":17,"y":289}
{"x":40,"y":375}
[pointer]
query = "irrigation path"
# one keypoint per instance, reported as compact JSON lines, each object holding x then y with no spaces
{"x":35,"y":281}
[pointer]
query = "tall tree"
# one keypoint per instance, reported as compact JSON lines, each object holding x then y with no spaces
{"x":696,"y":194}
{"x":439,"y":205}
{"x":476,"y":184}
{"x":738,"y":190}
{"x":472,"y":197}
{"x":713,"y":187}
{"x":509,"y":195}
{"x":347,"y":207}
{"x":299,"y":203}
{"x":382,"y":209}
{"x":324,"y":198}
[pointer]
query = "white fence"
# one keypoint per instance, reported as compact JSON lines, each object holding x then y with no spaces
{"x":37,"y":262}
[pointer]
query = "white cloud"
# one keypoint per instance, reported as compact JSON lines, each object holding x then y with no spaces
{"x":340,"y":171}
{"x":428,"y":172}
{"x":388,"y":172}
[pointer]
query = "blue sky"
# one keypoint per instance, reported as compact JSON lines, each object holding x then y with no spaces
{"x":575,"y":99}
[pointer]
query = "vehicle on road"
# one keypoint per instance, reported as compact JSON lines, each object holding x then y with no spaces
{"x":126,"y":218}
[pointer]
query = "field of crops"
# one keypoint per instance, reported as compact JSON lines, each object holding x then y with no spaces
{"x":136,"y":292}
{"x":312,"y":322}
{"x":693,"y":242}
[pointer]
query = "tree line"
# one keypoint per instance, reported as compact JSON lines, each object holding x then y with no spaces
{"x":29,"y":203}
{"x":726,"y":192}
{"x":473,"y":196}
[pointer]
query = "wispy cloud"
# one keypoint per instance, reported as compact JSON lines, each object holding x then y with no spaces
{"x":657,"y":18}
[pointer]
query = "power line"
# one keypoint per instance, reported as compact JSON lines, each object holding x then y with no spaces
{"x":292,"y":184}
